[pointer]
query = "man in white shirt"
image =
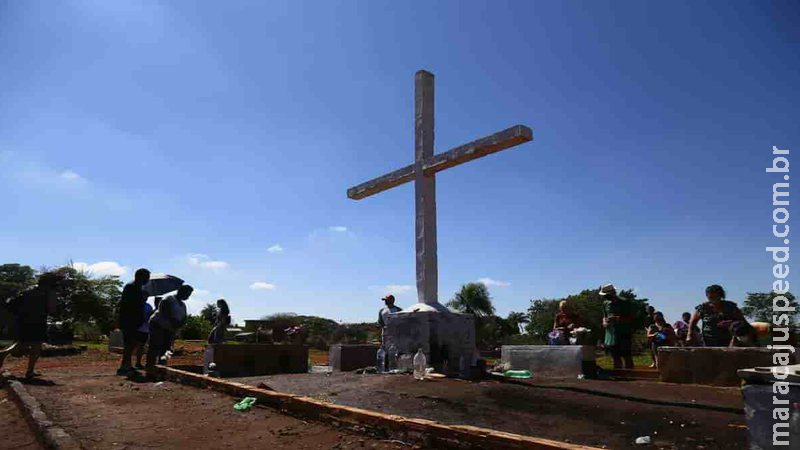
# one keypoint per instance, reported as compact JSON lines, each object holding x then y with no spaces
{"x":385,"y":311}
{"x":165,"y":322}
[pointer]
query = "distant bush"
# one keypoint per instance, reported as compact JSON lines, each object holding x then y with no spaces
{"x":196,"y":328}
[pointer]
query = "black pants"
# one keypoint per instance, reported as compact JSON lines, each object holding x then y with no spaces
{"x":160,"y":342}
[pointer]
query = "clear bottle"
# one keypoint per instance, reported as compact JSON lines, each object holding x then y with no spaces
{"x":391,"y":358}
{"x":420,"y":364}
{"x":380,"y":364}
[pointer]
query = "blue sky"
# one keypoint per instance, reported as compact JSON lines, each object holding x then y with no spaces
{"x":216,"y":142}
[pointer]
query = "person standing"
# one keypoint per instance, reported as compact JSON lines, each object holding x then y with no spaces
{"x":565,"y":322}
{"x":660,"y":334}
{"x":221,"y":323}
{"x":383,"y":315}
{"x":720,"y":317}
{"x":142,"y":335}
{"x":618,"y":322}
{"x":131,"y":317}
{"x":30,"y":309}
{"x":165,"y":322}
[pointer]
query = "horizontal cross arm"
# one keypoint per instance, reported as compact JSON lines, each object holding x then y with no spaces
{"x":382,"y":183}
{"x":494,"y":143}
{"x":507,"y":138}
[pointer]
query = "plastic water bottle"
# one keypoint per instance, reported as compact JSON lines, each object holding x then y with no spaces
{"x":391,"y":358}
{"x":380,"y":364}
{"x":420,"y":364}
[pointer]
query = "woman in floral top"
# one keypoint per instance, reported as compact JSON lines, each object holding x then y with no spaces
{"x":718,"y":316}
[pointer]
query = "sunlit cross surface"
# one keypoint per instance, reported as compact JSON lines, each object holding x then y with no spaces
{"x":423,"y":173}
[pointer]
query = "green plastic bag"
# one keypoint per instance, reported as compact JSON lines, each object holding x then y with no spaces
{"x":245,"y":404}
{"x":517,"y":374}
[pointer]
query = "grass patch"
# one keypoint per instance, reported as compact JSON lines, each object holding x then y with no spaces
{"x":639,"y":361}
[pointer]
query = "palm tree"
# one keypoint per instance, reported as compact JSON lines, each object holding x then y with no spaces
{"x":473,"y":298}
{"x":516,"y":319}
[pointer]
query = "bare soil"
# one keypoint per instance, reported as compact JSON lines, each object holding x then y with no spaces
{"x":101,"y":410}
{"x":14,"y":430}
{"x":538,"y":411}
{"x":104,"y":411}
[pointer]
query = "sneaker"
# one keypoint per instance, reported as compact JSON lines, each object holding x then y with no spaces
{"x":124,"y":371}
{"x":31,"y":375}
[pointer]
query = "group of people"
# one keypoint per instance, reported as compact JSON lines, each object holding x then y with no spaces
{"x":723,"y":325}
{"x":140,"y":323}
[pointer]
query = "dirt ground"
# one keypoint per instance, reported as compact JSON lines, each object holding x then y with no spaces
{"x":15,"y":433}
{"x":104,"y":411}
{"x":101,"y":410}
{"x":548,"y":413}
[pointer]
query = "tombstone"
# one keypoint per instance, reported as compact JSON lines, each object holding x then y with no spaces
{"x":551,"y":361}
{"x":716,"y":366}
{"x":447,"y":338}
{"x":115,"y":342}
{"x":348,"y":357}
{"x":759,"y":404}
{"x":249,"y":360}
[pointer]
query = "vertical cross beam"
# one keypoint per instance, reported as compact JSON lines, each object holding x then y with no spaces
{"x":425,"y":191}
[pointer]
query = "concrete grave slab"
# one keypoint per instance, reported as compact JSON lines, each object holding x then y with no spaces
{"x":347,"y":357}
{"x":244,"y":360}
{"x":715,"y":366}
{"x":551,"y":361}
{"x":115,"y":341}
{"x":447,"y":339}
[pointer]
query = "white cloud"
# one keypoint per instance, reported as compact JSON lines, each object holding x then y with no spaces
{"x":398,"y":288}
{"x":71,"y":176}
{"x":102,"y":268}
{"x":205,"y":262}
{"x":338,"y":229}
{"x":490,"y":282}
{"x":262,"y":286}
{"x":275,"y":249}
{"x":395,"y":289}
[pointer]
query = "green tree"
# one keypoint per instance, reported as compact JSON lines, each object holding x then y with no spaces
{"x":196,"y":328}
{"x":80,"y":298}
{"x":473,"y":298}
{"x":15,"y":278}
{"x":758,"y":306}
{"x":588,"y":304}
{"x":541,"y":315}
{"x":209,"y":313}
{"x":515,"y":320}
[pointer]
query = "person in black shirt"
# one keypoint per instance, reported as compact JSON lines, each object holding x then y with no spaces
{"x":131,"y":317}
{"x":30,"y":309}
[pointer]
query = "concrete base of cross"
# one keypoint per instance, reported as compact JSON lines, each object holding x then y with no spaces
{"x":446,"y":338}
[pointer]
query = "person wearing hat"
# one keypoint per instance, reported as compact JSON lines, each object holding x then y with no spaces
{"x":618,"y":322}
{"x":385,"y":311}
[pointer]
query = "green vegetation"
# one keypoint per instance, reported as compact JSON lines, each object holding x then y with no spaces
{"x":758,"y":306}
{"x":84,"y":304}
{"x":588,"y":304}
{"x":491,"y":330}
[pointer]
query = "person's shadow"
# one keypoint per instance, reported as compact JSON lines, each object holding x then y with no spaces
{"x":35,"y":381}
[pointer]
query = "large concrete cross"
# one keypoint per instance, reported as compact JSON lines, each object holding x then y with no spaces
{"x":423,"y":173}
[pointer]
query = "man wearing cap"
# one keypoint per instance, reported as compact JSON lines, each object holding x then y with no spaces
{"x":618,"y":322}
{"x":385,"y":311}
